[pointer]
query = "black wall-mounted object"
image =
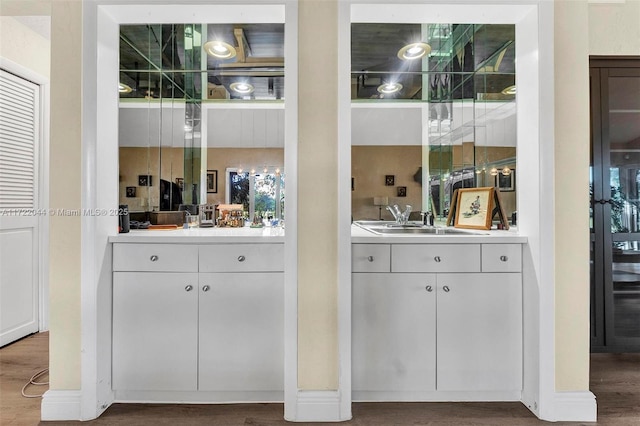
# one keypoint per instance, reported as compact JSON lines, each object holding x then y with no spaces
{"x":145,"y":180}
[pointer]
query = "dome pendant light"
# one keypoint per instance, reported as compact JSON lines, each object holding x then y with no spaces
{"x":414,"y":51}
{"x":389,"y":88}
{"x":219,"y":49}
{"x":242,"y":88}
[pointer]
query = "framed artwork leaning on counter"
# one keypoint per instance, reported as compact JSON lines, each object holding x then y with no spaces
{"x":474,"y":208}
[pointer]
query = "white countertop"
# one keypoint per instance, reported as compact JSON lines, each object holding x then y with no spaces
{"x":202,"y":235}
{"x":362,"y":236}
{"x":276,"y":235}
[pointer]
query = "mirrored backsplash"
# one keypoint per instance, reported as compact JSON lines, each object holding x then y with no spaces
{"x":433,"y":110}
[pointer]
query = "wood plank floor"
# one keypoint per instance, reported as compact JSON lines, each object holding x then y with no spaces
{"x":615,"y":380}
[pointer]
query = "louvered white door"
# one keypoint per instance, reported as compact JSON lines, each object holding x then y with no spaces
{"x":19,"y":209}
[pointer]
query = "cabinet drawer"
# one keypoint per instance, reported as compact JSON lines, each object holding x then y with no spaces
{"x":242,"y":258}
{"x":501,"y":258}
{"x":435,"y":258}
{"x":155,"y":257}
{"x":370,"y":258}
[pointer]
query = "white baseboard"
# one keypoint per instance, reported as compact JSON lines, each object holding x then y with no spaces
{"x":319,"y":406}
{"x":575,"y":407}
{"x":61,"y":405}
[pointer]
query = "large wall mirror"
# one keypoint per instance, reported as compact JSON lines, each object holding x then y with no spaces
{"x":433,"y":109}
{"x":201,"y":118}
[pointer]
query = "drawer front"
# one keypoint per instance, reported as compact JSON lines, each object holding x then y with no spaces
{"x":435,"y":258}
{"x":370,"y":258}
{"x":242,"y":258}
{"x":501,"y":258}
{"x":155,"y":257}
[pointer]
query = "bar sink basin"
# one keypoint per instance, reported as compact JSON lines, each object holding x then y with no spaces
{"x":411,"y":228}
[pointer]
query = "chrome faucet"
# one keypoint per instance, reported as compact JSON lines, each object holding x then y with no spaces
{"x":401,"y":217}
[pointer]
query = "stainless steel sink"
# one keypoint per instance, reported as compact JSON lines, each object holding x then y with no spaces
{"x":384,"y":227}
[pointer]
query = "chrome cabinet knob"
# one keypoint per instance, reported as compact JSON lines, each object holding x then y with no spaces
{"x":429,"y":288}
{"x":153,"y":258}
{"x":446,"y":289}
{"x":370,"y":258}
{"x":241,"y":258}
{"x":188,"y":287}
{"x":504,"y":258}
{"x":437,"y":259}
{"x":205,"y":288}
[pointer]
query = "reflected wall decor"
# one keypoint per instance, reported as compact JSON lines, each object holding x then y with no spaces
{"x":212,"y":181}
{"x":506,"y":183}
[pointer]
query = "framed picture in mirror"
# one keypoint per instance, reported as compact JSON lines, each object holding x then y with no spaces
{"x":131,"y":191}
{"x":144,"y":180}
{"x":402,"y":191}
{"x":212,"y":181}
{"x":506,"y":182}
{"x":389,"y":180}
{"x":474,"y":208}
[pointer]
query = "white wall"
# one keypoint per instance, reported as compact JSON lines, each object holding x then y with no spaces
{"x":65,"y":191}
{"x":23,"y":46}
{"x":317,"y":162}
{"x":614,"y":28}
{"x":582,"y":29}
{"x":572,"y":196}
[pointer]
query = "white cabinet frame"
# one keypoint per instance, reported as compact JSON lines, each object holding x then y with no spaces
{"x":100,"y":44}
{"x":534,"y":21}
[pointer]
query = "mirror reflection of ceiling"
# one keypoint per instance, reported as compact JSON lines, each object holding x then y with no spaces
{"x":465,"y":61}
{"x":169,"y":60}
{"x":464,"y":74}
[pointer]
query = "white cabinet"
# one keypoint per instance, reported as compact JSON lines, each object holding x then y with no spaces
{"x":393,"y":332}
{"x":155,"y":331}
{"x":241,"y":334}
{"x":370,"y":258}
{"x":479,"y":329}
{"x":217,"y":335}
{"x":241,"y":258}
{"x":155,"y":257}
{"x":437,"y":324}
{"x":501,"y":257}
{"x":435,"y":258}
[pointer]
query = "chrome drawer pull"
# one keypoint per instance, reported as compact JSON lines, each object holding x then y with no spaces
{"x":241,"y":258}
{"x":370,"y":258}
{"x":188,"y":287}
{"x":504,"y":258}
{"x":437,"y":259}
{"x":153,"y":258}
{"x":429,"y":288}
{"x":446,"y":289}
{"x":205,"y":288}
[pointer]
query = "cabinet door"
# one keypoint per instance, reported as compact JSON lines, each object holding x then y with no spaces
{"x":241,"y":332}
{"x":479,"y":332}
{"x":155,"y":323}
{"x":393,"y":332}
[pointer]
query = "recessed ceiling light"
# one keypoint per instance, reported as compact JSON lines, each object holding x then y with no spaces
{"x":414,"y":51}
{"x":123,"y":88}
{"x":219,"y":49}
{"x":511,"y":90}
{"x":388,"y":88}
{"x":242,"y":88}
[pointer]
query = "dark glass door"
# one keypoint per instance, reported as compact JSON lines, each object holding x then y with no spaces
{"x":615,"y":206}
